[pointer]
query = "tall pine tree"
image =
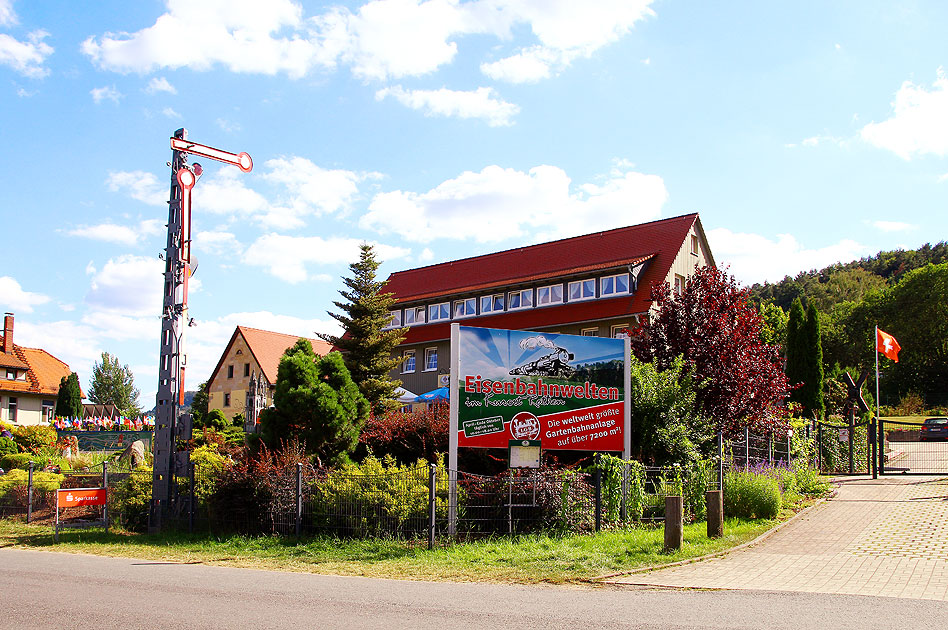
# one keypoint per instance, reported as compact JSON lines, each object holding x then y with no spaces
{"x":366,"y":346}
{"x":69,"y":398}
{"x":812,"y":389}
{"x":796,"y":350}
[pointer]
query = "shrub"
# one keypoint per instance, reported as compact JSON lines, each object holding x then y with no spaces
{"x":130,"y":499}
{"x":34,"y":437}
{"x":208,"y":467}
{"x":18,"y":478}
{"x":749,"y":495}
{"x":408,"y":436}
{"x":911,"y":404}
{"x":7,"y":446}
{"x":17,"y":460}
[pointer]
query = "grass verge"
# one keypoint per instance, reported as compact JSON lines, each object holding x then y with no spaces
{"x":525,"y":559}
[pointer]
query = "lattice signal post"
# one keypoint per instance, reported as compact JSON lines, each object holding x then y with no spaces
{"x":170,"y":423}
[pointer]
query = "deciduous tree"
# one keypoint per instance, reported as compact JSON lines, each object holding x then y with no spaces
{"x":114,"y":384}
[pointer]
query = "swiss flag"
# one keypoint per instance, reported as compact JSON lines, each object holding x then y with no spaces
{"x":887,"y":345}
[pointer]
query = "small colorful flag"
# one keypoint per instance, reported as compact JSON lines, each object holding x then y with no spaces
{"x":887,"y":345}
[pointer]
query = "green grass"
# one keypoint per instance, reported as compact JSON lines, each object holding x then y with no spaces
{"x":526,"y":559}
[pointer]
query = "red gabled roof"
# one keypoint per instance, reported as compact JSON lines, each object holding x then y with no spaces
{"x":267,"y":347}
{"x":657,"y":242}
{"x":44,"y":371}
{"x":660,"y":240}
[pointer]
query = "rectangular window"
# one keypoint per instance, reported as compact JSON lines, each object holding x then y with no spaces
{"x":227,"y":400}
{"x":11,"y":409}
{"x":408,"y":361}
{"x":694,"y":244}
{"x":679,"y":284}
{"x":439,"y":312}
{"x":431,"y":359}
{"x":520,"y":299}
{"x":48,"y":407}
{"x":415,"y":315}
{"x":11,"y":374}
{"x":619,"y":331}
{"x":614,"y":285}
{"x":550,"y":295}
{"x":246,"y":369}
{"x":465,"y":308}
{"x":492,"y":303}
{"x":230,"y":371}
{"x":396,"y":320}
{"x":582,"y":290}
{"x":590,"y":332}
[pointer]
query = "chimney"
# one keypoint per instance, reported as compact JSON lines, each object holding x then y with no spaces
{"x":8,"y":333}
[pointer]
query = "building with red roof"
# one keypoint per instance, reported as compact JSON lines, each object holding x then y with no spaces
{"x":596,"y":284}
{"x":250,"y":354}
{"x":29,"y":380}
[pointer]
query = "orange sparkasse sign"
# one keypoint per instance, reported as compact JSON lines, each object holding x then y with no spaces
{"x":81,"y":496}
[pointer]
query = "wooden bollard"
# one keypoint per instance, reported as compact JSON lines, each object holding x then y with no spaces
{"x":715,"y":502}
{"x":674,"y":528}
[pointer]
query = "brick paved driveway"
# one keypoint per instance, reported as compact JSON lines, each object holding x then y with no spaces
{"x":884,"y":537}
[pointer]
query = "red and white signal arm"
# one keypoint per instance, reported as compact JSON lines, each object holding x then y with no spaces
{"x":240,"y":160}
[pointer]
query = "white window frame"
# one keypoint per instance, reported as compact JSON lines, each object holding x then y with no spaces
{"x":491,"y":301}
{"x":472,"y":302}
{"x":12,"y":407}
{"x":694,"y":244}
{"x":616,"y":331}
{"x":405,"y":356}
{"x":590,"y":332}
{"x":582,"y":287}
{"x":431,"y":352}
{"x":416,"y":311}
{"x":437,"y":307}
{"x":520,"y":293}
{"x":679,"y":287}
{"x":549,"y":289}
{"x":396,"y":321}
{"x":614,"y":278}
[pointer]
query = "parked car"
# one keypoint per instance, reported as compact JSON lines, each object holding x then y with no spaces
{"x":934,"y":429}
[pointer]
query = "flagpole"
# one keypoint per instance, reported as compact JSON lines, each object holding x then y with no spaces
{"x":877,"y":372}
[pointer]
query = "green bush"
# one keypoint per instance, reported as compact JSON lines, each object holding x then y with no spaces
{"x":749,"y":495}
{"x":18,"y":478}
{"x":34,"y":437}
{"x":130,"y":499}
{"x":7,"y":446}
{"x":16,"y":460}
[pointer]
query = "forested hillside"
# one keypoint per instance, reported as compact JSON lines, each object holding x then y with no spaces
{"x":904,"y":292}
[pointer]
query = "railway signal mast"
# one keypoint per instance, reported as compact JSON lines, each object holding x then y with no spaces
{"x":170,"y":423}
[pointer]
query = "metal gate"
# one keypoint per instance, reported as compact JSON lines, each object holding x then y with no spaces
{"x":845,"y":449}
{"x":904,"y":453}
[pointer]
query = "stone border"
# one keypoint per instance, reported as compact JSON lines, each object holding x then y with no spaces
{"x":717,"y":554}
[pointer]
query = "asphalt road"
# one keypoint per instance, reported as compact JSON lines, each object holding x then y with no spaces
{"x":50,"y":590}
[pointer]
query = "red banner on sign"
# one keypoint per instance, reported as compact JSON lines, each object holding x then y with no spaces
{"x":81,"y":496}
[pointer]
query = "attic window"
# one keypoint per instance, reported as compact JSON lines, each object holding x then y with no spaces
{"x":239,"y":352}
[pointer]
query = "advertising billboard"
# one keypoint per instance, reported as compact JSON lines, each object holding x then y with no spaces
{"x":565,"y":391}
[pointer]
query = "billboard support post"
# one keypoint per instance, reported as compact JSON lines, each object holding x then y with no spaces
{"x":453,"y":400}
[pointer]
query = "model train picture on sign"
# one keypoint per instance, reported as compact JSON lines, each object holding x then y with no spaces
{"x":566,"y":391}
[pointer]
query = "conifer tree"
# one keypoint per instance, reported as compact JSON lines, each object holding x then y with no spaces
{"x":796,"y":350}
{"x":69,"y":398}
{"x":812,"y":390}
{"x":366,"y":346}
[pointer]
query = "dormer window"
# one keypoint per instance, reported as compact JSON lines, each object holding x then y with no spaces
{"x":582,"y":290}
{"x":11,"y":375}
{"x":614,"y":285}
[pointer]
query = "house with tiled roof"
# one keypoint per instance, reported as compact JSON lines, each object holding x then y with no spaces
{"x":597,"y":284}
{"x":29,"y":380}
{"x":249,"y":362}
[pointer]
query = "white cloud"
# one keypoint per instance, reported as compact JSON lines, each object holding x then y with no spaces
{"x":480,"y":103}
{"x":217,"y":242}
{"x":7,"y":14}
{"x":227,"y":126}
{"x":918,"y":125}
{"x":426,"y":255}
{"x":139,"y":185}
{"x":105,"y":93}
{"x":755,"y":258}
{"x":170,"y":113}
{"x":127,"y":285}
{"x":312,"y":189}
{"x":224,"y":192}
{"x":160,"y":84}
{"x":15,"y":299}
{"x":893,"y":226}
{"x":286,"y":257}
{"x":497,"y":204}
{"x":25,"y":57}
{"x":121,"y":234}
{"x":379,"y":40}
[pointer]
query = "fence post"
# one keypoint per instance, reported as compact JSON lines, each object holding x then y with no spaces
{"x":770,"y":450}
{"x":29,"y":493}
{"x":674,"y":516}
{"x":432,"y":498}
{"x":789,"y":435}
{"x":852,"y":442}
{"x":720,"y":460}
{"x":715,"y":508}
{"x":747,"y":448}
{"x":299,"y":498}
{"x":880,"y":440}
{"x":873,"y":443}
{"x":191,"y":500}
{"x":597,"y":483}
{"x":819,"y":446}
{"x":105,"y":484}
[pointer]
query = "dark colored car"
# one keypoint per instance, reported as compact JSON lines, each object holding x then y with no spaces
{"x":934,"y":429}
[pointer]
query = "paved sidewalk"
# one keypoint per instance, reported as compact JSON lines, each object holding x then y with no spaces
{"x":884,"y":537}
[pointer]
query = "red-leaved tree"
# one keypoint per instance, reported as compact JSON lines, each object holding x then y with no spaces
{"x":714,"y":328}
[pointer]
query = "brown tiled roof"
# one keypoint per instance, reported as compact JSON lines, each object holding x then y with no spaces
{"x":267,"y":347}
{"x":43,"y":374}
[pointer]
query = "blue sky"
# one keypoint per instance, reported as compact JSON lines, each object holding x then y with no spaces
{"x":804,"y":133}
